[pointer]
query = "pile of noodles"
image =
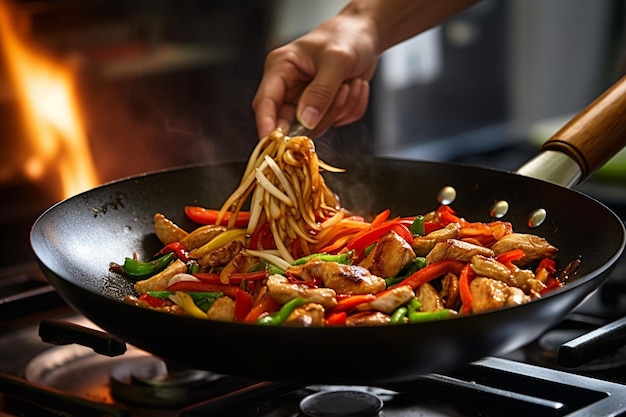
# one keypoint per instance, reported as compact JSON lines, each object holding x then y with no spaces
{"x":288,"y":194}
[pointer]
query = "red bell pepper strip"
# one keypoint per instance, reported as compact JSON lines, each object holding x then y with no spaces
{"x":467,"y":275}
{"x":266,"y":304}
{"x":547,"y":264}
{"x":430,"y":272}
{"x":360,"y":243}
{"x":154,"y":302}
{"x":446,"y":215}
{"x":235,"y":278}
{"x":243,"y":300}
{"x":352,"y":301}
{"x":178,"y":249}
{"x":262,"y":238}
{"x":507,"y":258}
{"x":203,"y":215}
{"x":336,"y":319}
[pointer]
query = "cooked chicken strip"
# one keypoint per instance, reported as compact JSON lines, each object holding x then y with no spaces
{"x":166,"y":230}
{"x":534,"y":247}
{"x":390,"y":256}
{"x":457,"y":250}
{"x":429,"y":298}
{"x":309,"y":315}
{"x":491,"y":268}
{"x":391,"y":300}
{"x":346,"y":279}
{"x":221,"y":256}
{"x":490,"y":294}
{"x":222,"y":309}
{"x":162,"y":279}
{"x":200,"y":236}
{"x":424,"y":244}
{"x":450,"y":291}
{"x":282,"y":291}
{"x":368,"y":318}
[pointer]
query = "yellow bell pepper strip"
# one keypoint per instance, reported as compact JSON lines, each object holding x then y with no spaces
{"x":178,"y":249}
{"x":421,"y":316}
{"x":140,"y":270}
{"x":280,"y":316}
{"x":184,"y":301}
{"x":430,"y":272}
{"x":203,"y":215}
{"x":243,"y":300}
{"x":218,"y":241}
{"x":466,"y":277}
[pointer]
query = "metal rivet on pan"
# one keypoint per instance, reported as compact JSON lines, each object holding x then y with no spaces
{"x":447,"y":195}
{"x":537,"y":217}
{"x":499,"y":209}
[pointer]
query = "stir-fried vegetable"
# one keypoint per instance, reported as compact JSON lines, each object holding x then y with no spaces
{"x":297,"y":258}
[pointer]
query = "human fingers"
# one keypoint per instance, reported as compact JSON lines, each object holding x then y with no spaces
{"x":355,"y":105}
{"x":320,"y":94}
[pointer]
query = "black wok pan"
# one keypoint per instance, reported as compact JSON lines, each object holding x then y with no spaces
{"x":76,"y":240}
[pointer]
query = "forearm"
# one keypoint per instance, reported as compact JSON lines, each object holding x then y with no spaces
{"x":393,"y":21}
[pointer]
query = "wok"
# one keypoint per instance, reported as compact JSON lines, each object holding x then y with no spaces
{"x":75,"y":240}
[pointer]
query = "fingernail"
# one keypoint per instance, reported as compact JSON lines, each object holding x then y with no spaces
{"x":309,"y":117}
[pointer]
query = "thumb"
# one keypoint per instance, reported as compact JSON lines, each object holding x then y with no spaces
{"x":317,"y":97}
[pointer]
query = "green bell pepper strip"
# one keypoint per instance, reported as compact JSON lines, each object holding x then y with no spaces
{"x":417,"y":264}
{"x":204,"y":300}
{"x":139,"y":270}
{"x":422,"y":316}
{"x":279,"y":317}
{"x":417,"y":227}
{"x":341,"y":258}
{"x":398,"y":316}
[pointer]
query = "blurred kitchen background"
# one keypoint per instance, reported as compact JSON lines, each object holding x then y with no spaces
{"x":96,"y":90}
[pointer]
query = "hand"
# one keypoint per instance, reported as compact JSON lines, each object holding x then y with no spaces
{"x":320,"y":79}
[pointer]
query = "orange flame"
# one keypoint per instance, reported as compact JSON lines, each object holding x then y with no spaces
{"x":52,"y":122}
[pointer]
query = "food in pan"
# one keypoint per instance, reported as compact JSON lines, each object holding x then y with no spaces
{"x":295,"y":257}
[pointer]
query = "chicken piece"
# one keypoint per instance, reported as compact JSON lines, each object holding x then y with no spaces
{"x":221,"y":256}
{"x":345,"y":279}
{"x":166,"y":230}
{"x":162,"y":279}
{"x":457,"y":250}
{"x":222,"y":309}
{"x":390,"y":256}
{"x":534,"y":247}
{"x":390,"y":300}
{"x":200,"y":236}
{"x":491,"y":268}
{"x":490,"y":294}
{"x":450,"y":291}
{"x":424,"y":244}
{"x":429,"y":297}
{"x":309,"y":315}
{"x":368,"y":318}
{"x":282,"y":291}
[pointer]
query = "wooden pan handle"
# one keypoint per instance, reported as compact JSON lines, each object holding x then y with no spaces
{"x":597,"y":133}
